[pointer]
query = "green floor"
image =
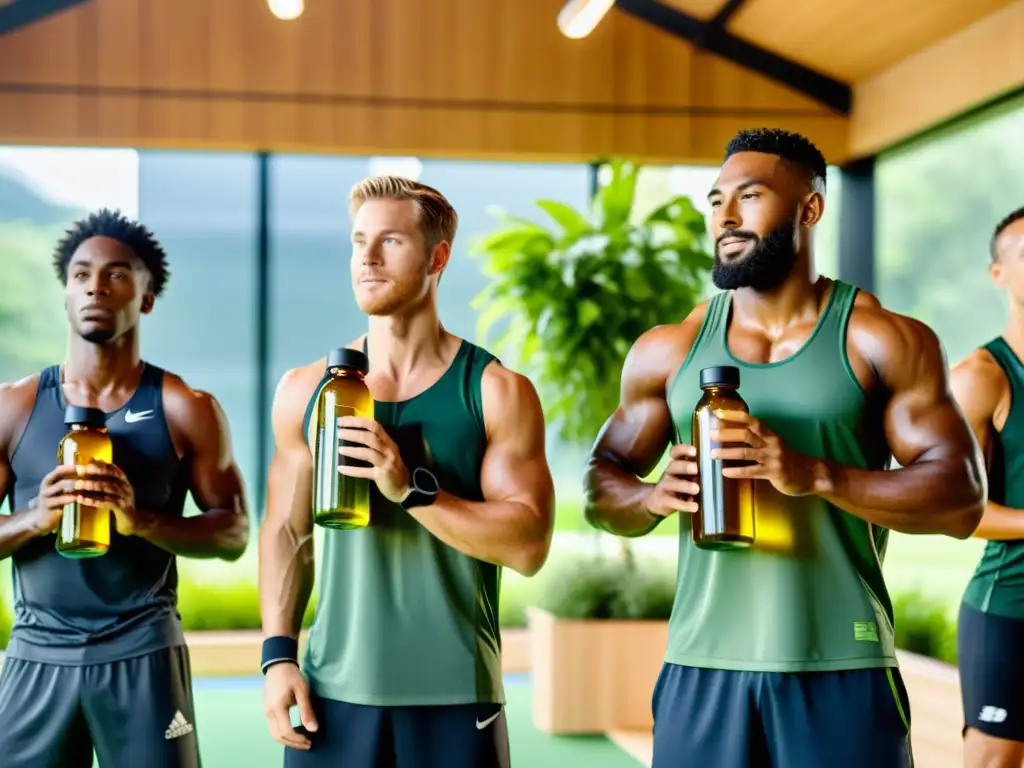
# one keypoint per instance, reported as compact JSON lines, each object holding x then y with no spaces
{"x":233,"y":732}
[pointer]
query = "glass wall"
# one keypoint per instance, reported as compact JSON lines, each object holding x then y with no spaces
{"x":202,"y":208}
{"x":938,"y":202}
{"x":311,"y":303}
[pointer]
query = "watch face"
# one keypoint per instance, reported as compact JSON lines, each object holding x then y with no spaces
{"x":423,"y":480}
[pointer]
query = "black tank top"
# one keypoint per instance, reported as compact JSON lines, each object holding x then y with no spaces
{"x":124,"y":603}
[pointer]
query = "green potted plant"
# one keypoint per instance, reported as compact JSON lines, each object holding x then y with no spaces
{"x":574,"y":297}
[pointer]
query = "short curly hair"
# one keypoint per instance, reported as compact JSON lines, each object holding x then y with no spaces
{"x":1007,"y":220}
{"x":115,"y":225}
{"x":793,"y":147}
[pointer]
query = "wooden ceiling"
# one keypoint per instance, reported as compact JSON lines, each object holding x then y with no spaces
{"x":492,"y":78}
{"x":849,"y":40}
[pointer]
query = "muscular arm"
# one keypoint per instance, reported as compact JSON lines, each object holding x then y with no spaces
{"x":286,"y":537}
{"x":979,"y":385}
{"x":222,"y":528}
{"x":941,"y":486}
{"x":636,"y":435}
{"x":513,"y":525}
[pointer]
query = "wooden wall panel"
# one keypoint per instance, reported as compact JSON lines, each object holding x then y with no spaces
{"x":440,"y":78}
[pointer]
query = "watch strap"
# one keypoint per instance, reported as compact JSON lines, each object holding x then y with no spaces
{"x":423,"y":491}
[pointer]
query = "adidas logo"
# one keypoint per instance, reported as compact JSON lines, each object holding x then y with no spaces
{"x":179,"y":727}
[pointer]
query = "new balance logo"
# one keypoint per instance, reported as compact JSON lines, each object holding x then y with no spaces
{"x":992,"y":715}
{"x":131,"y":418}
{"x":179,"y":727}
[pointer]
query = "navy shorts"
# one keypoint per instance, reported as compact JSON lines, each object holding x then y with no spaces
{"x":360,"y":736}
{"x":725,"y":719}
{"x":990,"y":652}
{"x":135,"y":712}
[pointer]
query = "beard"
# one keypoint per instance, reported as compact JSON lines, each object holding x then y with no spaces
{"x":765,"y":268}
{"x":98,"y":336}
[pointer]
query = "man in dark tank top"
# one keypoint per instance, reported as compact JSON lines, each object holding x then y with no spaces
{"x":989,"y":386}
{"x":97,"y":658}
{"x":403,"y":662}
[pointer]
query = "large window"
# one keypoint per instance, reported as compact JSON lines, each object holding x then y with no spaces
{"x":202,"y":208}
{"x":311,"y":305}
{"x":938,"y":202}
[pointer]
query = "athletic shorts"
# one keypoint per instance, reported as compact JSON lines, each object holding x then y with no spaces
{"x":359,"y":736}
{"x":135,"y":713}
{"x":990,"y":651}
{"x":714,"y":717}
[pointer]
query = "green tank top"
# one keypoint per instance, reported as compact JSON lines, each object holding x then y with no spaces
{"x":809,"y":594}
{"x":403,"y":619}
{"x":998,"y":583}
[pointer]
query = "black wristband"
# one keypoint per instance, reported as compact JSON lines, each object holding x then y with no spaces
{"x":277,"y":649}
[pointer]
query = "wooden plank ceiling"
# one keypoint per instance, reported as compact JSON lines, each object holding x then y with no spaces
{"x":456,"y":78}
{"x":849,"y":40}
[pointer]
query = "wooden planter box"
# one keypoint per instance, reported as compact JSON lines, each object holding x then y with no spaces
{"x":593,"y":676}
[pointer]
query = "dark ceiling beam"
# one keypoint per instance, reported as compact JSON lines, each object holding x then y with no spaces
{"x":714,"y":38}
{"x":21,"y":13}
{"x":725,"y":13}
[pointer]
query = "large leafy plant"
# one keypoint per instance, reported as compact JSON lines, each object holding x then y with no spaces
{"x":567,"y":301}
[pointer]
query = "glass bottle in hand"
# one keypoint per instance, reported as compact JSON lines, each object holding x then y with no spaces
{"x":84,"y":531}
{"x":340,"y":501}
{"x":725,"y":506}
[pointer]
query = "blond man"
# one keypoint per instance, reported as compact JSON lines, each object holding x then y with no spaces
{"x":403,"y":663}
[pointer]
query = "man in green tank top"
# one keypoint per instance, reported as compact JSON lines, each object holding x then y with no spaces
{"x":782,"y":654}
{"x":403,"y":662}
{"x":989,"y":386}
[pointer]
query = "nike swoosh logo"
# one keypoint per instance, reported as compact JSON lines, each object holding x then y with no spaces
{"x":131,"y":418}
{"x":480,"y":725}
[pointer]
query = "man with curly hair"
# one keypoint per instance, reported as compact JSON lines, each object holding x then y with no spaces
{"x":781,"y":654}
{"x":97,"y":658}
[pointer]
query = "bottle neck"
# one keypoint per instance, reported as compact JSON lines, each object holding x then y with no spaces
{"x":83,"y":427}
{"x":346,"y":373}
{"x":715,"y":388}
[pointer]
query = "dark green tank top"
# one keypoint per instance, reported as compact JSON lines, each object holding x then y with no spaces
{"x":998,"y":583}
{"x":403,"y":619}
{"x":809,"y":595}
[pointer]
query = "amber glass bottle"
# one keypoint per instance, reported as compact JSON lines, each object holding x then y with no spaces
{"x":725,"y":515}
{"x":339,"y":501}
{"x":84,"y":531}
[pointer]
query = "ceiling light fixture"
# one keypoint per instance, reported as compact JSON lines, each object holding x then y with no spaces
{"x":578,"y":18}
{"x":287,"y":10}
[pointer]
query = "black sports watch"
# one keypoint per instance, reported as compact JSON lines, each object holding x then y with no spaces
{"x":424,"y":489}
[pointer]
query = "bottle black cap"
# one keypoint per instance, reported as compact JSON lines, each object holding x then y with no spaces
{"x":353,"y":359}
{"x":87,"y":417}
{"x":720,"y":376}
